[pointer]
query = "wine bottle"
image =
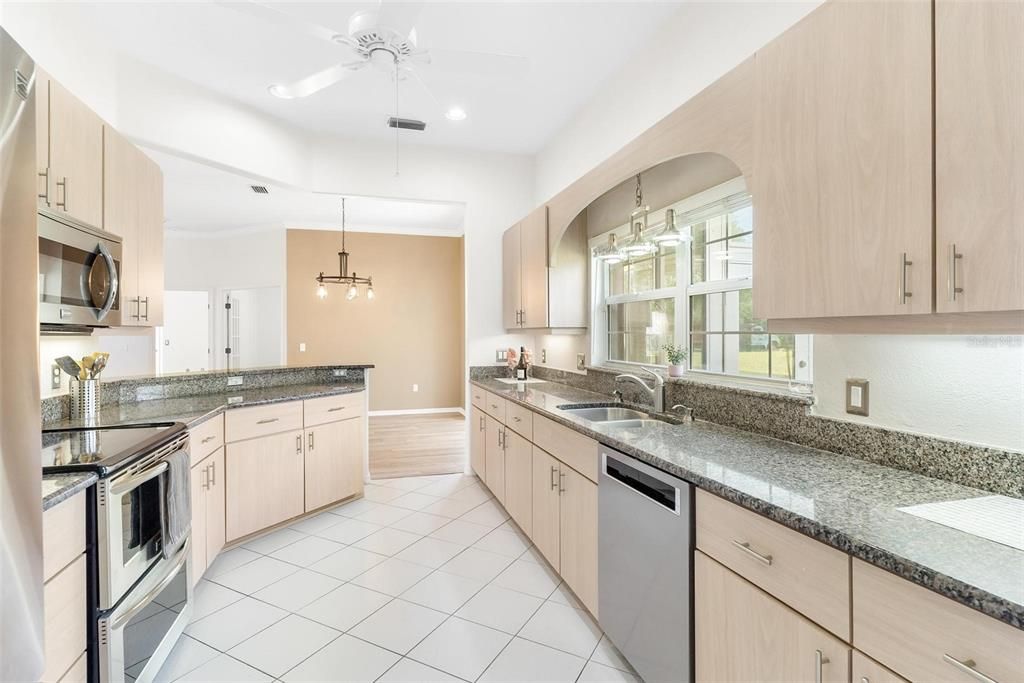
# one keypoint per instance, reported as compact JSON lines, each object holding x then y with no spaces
{"x":521,"y":367}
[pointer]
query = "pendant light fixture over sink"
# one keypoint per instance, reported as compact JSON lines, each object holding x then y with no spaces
{"x":352,"y":281}
{"x":637,"y":244}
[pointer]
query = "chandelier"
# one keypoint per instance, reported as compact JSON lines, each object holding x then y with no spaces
{"x":637,"y":244}
{"x":352,"y":281}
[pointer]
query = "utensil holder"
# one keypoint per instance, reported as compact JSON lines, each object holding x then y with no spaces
{"x":86,"y":397}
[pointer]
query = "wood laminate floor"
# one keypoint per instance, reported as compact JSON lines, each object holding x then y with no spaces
{"x":417,"y":445}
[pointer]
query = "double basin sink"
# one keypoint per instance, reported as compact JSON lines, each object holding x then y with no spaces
{"x":613,"y":416}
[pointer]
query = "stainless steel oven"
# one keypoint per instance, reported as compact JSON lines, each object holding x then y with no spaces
{"x":79,"y":270}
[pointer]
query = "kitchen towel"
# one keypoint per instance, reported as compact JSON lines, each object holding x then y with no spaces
{"x":175,"y":501}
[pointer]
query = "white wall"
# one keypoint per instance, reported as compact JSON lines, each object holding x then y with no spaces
{"x":132,"y":352}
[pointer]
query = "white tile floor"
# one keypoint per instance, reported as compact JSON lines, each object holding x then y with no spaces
{"x":425,"y":579}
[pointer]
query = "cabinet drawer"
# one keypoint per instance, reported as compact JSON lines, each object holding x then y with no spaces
{"x":807,"y":575}
{"x":494,"y":406}
{"x":918,"y":633}
{"x":63,"y":535}
{"x":318,"y":411}
{"x":249,"y":423}
{"x":64,"y":614}
{"x":520,"y":419}
{"x":572,"y":448}
{"x":205,"y":438}
{"x":477,"y":396}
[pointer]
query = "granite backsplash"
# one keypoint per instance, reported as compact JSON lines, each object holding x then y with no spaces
{"x":134,"y":389}
{"x":787,"y":416}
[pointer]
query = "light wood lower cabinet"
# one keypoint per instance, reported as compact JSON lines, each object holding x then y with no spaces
{"x":519,"y":480}
{"x":578,"y":535}
{"x":334,"y":462}
{"x":64,"y":619}
{"x":208,"y":508}
{"x":743,"y":634}
{"x":265,"y":482}
{"x":494,"y":452}
{"x":478,"y":441}
{"x":546,"y":523}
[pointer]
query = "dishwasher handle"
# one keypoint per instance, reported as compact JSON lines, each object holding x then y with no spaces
{"x":664,"y":493}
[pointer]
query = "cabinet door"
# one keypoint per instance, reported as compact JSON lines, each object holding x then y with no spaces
{"x":843,"y":173}
{"x":42,"y":98}
{"x":511,"y":277}
{"x":76,"y":157}
{"x":215,"y":506}
{"x":121,"y":188}
{"x":333,"y":466}
{"x":151,"y":246}
{"x":478,"y":442}
{"x":199,"y":478}
{"x":743,"y":634}
{"x":578,"y":535}
{"x":534,"y":249}
{"x":546,"y":530}
{"x":863,"y":669}
{"x":494,"y":453}
{"x":979,"y":156}
{"x":264,"y":482}
{"x":519,"y":480}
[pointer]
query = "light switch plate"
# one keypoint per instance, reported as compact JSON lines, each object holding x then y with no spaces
{"x":543,"y":355}
{"x":857,"y":396}
{"x":581,"y":361}
{"x":55,"y":376}
{"x":500,"y":355}
{"x":235,"y":381}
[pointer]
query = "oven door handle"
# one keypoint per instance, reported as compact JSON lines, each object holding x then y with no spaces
{"x":144,"y":601}
{"x":112,"y":294}
{"x":127,"y":485}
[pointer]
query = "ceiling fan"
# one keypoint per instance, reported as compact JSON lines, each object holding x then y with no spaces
{"x":385,"y":39}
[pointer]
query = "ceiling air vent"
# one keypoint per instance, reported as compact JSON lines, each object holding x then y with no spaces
{"x":260,"y":189}
{"x":406,"y":124}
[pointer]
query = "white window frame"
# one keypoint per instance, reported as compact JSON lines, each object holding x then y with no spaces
{"x":681,"y":293}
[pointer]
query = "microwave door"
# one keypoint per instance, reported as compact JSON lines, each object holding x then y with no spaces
{"x":102,"y":281}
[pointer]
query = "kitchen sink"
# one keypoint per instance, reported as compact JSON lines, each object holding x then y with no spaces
{"x":606,"y":414}
{"x":632,"y":424}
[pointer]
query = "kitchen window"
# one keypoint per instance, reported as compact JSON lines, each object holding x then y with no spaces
{"x":697,"y":295}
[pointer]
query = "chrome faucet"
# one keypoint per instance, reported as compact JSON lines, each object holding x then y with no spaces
{"x":656,"y":391}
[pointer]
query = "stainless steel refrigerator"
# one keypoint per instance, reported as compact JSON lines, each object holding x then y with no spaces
{"x":21,"y":517}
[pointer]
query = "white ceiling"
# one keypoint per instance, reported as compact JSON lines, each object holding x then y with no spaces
{"x":202,"y":199}
{"x":570,"y":48}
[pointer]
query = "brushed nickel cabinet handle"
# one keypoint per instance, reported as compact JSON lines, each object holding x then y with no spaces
{"x":145,"y":300}
{"x":311,"y":441}
{"x":864,"y":679}
{"x":554,"y":484}
{"x":819,"y":661}
{"x":45,"y":175}
{"x":745,"y":547}
{"x":267,"y":421}
{"x":213,"y":474}
{"x":483,"y":423}
{"x":298,"y":444}
{"x":208,"y":438}
{"x":967,"y":667}
{"x":903,"y":293}
{"x":206,"y":477}
{"x":63,"y":184}
{"x":335,"y":409}
{"x":516,"y":419}
{"x":561,"y":483}
{"x":951,"y":285}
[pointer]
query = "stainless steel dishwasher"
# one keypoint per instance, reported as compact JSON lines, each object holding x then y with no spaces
{"x":645,"y":567}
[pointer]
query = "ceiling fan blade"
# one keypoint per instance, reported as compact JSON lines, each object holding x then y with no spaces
{"x":316,"y":82}
{"x":278,"y":17}
{"x":400,"y":17}
{"x":487,"y":64}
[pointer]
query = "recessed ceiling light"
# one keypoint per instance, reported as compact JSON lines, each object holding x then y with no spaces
{"x":279,"y":91}
{"x":455,"y":114}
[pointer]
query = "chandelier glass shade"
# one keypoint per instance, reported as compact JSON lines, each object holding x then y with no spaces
{"x":670,"y":235}
{"x":610,"y":253}
{"x":351,"y":282}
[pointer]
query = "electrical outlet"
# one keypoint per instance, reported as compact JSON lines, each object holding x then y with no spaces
{"x":340,"y":373}
{"x":581,"y":361}
{"x":543,"y":355}
{"x":501,"y":355}
{"x":415,"y":388}
{"x":55,"y":376}
{"x":302,"y":347}
{"x":235,"y":381}
{"x":857,"y":396}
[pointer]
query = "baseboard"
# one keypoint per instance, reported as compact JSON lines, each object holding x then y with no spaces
{"x":418,"y":411}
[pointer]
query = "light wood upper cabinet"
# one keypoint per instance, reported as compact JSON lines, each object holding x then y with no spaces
{"x":842,"y":155}
{"x":519,"y":480}
{"x":478,"y":442}
{"x":979,"y":156}
{"x":494,"y":454}
{"x":534,"y":249}
{"x":743,"y":634}
{"x":512,"y":277}
{"x":265,"y":482}
{"x":151,"y":245}
{"x":578,"y":535}
{"x":334,"y":462}
{"x":76,"y":157}
{"x":546,"y":524}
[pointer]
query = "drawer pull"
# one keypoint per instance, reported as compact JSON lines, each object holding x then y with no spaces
{"x":745,"y":547}
{"x":209,"y":438}
{"x":819,"y":661}
{"x":335,"y":409}
{"x":267,"y":420}
{"x":967,"y":666}
{"x":516,"y":419}
{"x":494,"y":405}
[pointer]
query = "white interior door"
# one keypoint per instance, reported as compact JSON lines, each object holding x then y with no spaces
{"x":249,"y":327}
{"x":184,"y":340}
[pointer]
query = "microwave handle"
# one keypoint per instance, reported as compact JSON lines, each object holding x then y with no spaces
{"x":112,"y":269}
{"x":128,"y":484}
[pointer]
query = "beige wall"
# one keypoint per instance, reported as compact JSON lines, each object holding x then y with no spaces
{"x":412,"y":331}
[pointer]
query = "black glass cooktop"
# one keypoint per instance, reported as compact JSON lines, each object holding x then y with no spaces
{"x":102,"y":450}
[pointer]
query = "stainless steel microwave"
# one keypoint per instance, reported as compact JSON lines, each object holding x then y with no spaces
{"x":79,"y":274}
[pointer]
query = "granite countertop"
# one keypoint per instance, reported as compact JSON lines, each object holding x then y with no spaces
{"x":849,"y":504}
{"x":59,"y":487}
{"x":189,"y":410}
